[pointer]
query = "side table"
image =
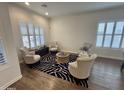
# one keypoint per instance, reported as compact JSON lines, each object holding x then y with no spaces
{"x":62,"y":57}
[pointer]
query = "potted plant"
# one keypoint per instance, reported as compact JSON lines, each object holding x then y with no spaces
{"x":85,"y":49}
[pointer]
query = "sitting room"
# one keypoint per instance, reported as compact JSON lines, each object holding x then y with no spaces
{"x":62,"y":46}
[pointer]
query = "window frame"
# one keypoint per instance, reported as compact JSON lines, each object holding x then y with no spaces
{"x":113,"y":34}
{"x":34,"y":35}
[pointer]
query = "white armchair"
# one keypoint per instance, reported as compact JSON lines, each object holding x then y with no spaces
{"x":81,"y":68}
{"x":29,"y":56}
{"x":53,"y":47}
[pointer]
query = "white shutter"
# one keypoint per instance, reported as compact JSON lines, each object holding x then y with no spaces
{"x":2,"y":52}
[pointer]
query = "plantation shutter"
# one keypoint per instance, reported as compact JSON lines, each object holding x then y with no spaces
{"x":2,"y":53}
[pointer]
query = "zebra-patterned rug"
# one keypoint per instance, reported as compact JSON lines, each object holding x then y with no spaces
{"x":49,"y":65}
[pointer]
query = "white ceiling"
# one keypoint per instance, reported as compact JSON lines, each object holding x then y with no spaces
{"x":66,"y":8}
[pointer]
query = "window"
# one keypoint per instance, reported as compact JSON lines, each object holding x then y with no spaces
{"x":100,"y":33}
{"x":41,"y":36}
{"x":118,"y":35}
{"x":110,"y":34}
{"x":2,"y":53}
{"x":32,"y":36}
{"x":24,"y":33}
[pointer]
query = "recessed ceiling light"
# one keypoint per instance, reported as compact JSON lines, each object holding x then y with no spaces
{"x":27,"y":3}
{"x":46,"y":13}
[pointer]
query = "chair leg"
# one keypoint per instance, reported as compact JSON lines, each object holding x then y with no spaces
{"x":86,"y":83}
{"x":83,"y":83}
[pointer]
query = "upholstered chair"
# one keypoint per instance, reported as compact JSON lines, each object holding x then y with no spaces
{"x":53,"y":47}
{"x":81,"y":68}
{"x":29,"y":56}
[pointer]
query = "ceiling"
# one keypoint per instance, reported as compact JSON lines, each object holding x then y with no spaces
{"x":66,"y":8}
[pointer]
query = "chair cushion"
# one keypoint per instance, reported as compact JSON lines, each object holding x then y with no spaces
{"x":24,"y":50}
{"x":36,"y":57}
{"x":31,"y":53}
{"x":73,"y":64}
{"x":53,"y":49}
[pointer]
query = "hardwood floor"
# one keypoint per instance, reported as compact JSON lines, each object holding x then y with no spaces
{"x":105,"y":75}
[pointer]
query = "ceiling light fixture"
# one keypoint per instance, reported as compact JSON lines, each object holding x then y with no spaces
{"x":45,"y":9}
{"x":46,"y":13}
{"x":27,"y":3}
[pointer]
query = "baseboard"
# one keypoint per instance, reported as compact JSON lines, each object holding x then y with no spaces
{"x":116,"y":58}
{"x":69,"y":51}
{"x":10,"y":83}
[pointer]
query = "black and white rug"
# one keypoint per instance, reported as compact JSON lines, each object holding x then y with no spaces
{"x":49,"y":65}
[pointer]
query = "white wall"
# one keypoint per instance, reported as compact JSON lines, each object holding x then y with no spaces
{"x":9,"y":72}
{"x":72,"y":30}
{"x":10,"y":16}
{"x":18,"y":14}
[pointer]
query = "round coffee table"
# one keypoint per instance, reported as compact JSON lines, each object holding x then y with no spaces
{"x":62,"y":57}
